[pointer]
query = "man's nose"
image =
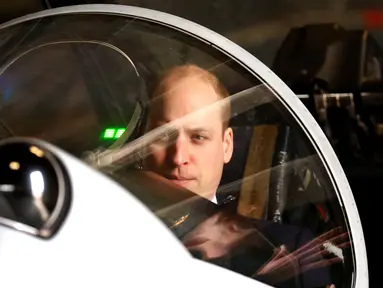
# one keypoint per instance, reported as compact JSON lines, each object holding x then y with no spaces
{"x":180,"y":151}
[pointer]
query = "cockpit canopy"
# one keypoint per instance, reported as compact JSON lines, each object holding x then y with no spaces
{"x":83,"y":81}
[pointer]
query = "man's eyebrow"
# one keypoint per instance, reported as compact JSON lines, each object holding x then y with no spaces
{"x":199,"y":130}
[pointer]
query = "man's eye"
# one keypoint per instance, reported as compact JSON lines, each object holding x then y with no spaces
{"x":198,"y":137}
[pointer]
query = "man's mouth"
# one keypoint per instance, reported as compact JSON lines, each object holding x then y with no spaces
{"x":179,"y":180}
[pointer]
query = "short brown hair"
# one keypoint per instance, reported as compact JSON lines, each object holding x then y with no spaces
{"x":192,"y":70}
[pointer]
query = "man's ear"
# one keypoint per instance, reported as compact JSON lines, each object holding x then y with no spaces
{"x":228,"y":145}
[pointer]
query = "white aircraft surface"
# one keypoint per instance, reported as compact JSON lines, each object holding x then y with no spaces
{"x":77,"y":207}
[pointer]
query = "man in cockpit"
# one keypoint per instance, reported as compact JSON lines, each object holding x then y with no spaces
{"x":195,"y":155}
{"x":204,"y":142}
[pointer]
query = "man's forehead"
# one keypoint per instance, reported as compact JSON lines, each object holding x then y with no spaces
{"x":188,"y":94}
{"x":190,"y":100}
{"x":205,"y":115}
{"x":189,"y":83}
{"x":190,"y":122}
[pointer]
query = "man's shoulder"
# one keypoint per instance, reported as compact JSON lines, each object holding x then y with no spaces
{"x":291,"y":236}
{"x":277,"y":233}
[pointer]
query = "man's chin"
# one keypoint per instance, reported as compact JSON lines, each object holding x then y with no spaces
{"x":191,"y":185}
{"x":188,"y":184}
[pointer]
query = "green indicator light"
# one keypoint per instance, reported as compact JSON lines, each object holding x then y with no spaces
{"x":119,"y":132}
{"x":113,"y":133}
{"x":109,"y":133}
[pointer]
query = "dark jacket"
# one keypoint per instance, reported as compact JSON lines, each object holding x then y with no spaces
{"x":248,"y":261}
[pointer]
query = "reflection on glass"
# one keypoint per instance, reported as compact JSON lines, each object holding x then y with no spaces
{"x":37,"y":184}
{"x":14,"y":165}
{"x":7,"y":188}
{"x":189,"y":138}
{"x":243,"y":188}
{"x":35,"y":150}
{"x":29,"y":186}
{"x":37,"y":187}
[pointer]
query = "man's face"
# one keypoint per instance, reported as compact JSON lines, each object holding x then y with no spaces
{"x":195,"y":156}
